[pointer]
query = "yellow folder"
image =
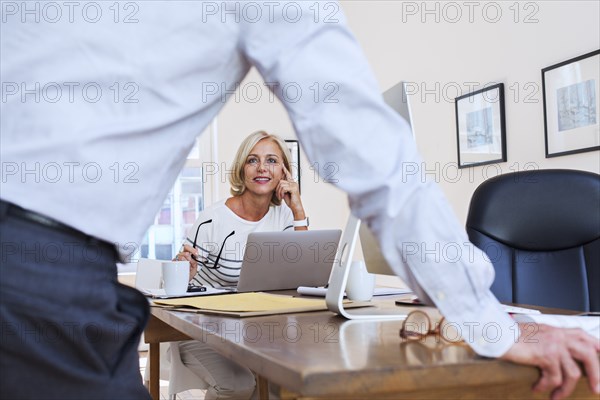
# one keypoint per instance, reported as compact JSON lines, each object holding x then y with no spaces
{"x":247,"y":304}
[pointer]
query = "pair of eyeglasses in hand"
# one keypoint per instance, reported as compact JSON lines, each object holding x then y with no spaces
{"x":216,"y":264}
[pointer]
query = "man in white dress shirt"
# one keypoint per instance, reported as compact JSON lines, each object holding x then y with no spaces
{"x":100,"y":105}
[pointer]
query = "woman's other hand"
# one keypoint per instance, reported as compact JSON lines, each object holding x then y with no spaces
{"x":186,"y":254}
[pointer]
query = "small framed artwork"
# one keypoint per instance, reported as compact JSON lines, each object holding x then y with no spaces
{"x":480,"y":127}
{"x":294,"y":148}
{"x":571,"y":105}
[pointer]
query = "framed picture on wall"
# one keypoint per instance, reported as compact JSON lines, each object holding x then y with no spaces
{"x":480,"y":127}
{"x":294,"y":148}
{"x":571,"y":105}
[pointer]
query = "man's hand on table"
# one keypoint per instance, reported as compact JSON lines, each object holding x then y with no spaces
{"x":556,"y":352}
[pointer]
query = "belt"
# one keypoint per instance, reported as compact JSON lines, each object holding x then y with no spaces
{"x":16,"y":211}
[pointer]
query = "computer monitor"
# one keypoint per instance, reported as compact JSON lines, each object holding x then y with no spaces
{"x":397,"y":98}
{"x":374,"y":260}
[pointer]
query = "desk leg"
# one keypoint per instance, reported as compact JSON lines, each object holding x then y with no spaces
{"x":262,"y":386}
{"x":154,"y":359}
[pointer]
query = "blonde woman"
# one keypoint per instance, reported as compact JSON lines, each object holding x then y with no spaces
{"x":264,"y":198}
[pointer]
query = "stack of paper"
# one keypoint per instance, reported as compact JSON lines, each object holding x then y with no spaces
{"x":590,"y":325}
{"x":379,"y":291}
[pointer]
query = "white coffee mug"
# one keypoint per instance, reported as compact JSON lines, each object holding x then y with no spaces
{"x":176,"y":276}
{"x":361,"y":284}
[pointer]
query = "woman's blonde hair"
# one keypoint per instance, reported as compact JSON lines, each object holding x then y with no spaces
{"x":236,"y":179}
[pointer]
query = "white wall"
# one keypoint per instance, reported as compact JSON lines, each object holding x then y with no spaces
{"x":450,"y":56}
{"x":447,"y":56}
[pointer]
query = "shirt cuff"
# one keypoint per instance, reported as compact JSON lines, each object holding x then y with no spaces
{"x":489,"y":331}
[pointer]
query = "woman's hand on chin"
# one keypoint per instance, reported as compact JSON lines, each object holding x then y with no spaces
{"x":289,"y":191}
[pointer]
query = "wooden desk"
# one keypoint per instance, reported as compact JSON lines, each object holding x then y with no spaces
{"x":320,"y":355}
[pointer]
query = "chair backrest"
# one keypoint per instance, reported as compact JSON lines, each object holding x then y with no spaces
{"x":148,"y":274}
{"x":541,"y":231}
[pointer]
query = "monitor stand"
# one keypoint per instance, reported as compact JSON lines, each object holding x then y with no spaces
{"x":339,"y":277}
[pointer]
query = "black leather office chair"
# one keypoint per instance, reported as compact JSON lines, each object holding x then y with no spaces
{"x":541,"y":230}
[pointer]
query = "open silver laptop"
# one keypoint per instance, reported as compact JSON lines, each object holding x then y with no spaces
{"x":287,"y":260}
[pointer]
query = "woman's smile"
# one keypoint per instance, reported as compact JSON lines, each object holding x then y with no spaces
{"x":261,"y":180}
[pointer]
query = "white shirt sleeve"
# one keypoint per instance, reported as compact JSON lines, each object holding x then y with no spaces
{"x":341,"y":118}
